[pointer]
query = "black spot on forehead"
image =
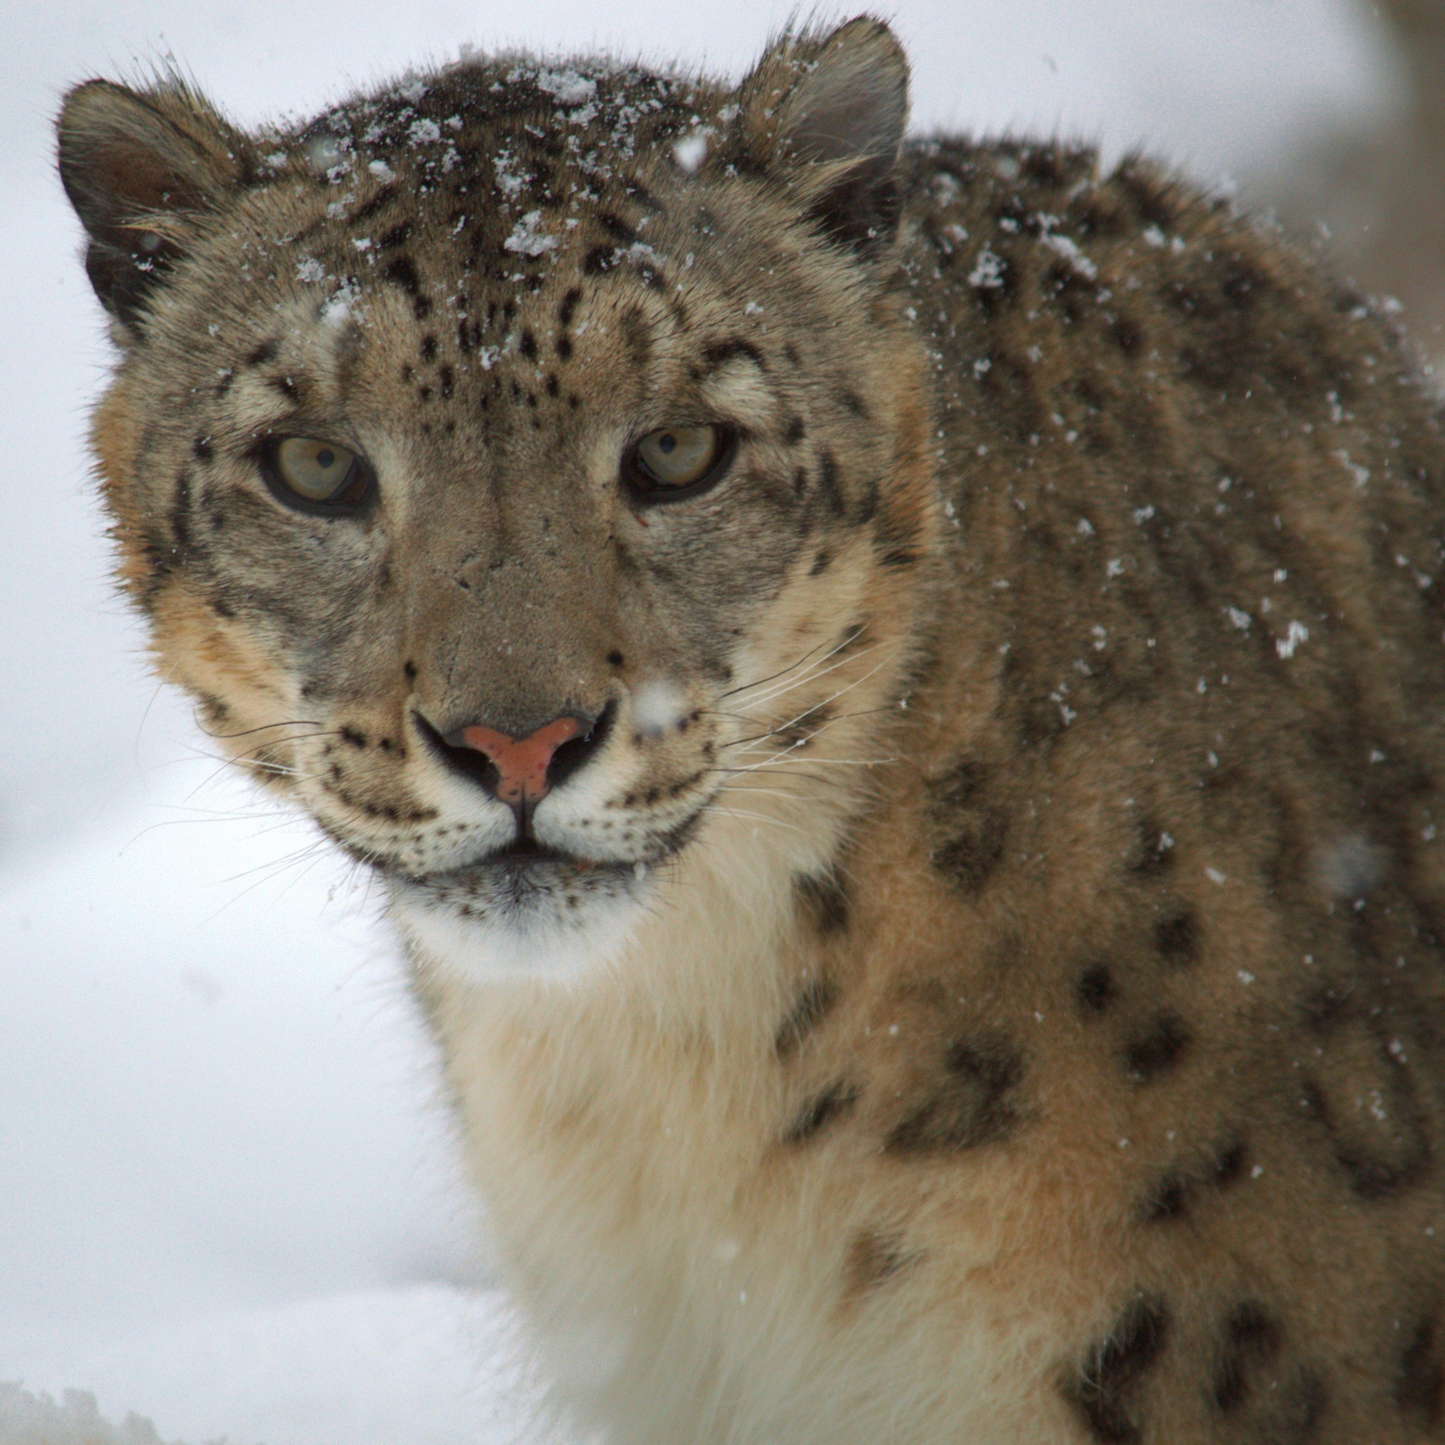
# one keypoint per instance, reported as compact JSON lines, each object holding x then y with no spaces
{"x":378,"y":202}
{"x":716,"y":354}
{"x":616,"y":227}
{"x":398,"y":235}
{"x":266,"y":351}
{"x":598,"y":260}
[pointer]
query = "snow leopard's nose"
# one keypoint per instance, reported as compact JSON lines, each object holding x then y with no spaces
{"x":520,"y":771}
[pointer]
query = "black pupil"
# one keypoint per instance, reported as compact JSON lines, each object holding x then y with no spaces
{"x":667,"y":443}
{"x":325,"y":457}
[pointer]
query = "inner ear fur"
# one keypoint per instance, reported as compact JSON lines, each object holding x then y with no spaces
{"x":141,"y":169}
{"x":826,"y":115}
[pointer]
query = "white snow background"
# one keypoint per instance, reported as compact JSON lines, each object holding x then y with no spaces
{"x":229,"y":1197}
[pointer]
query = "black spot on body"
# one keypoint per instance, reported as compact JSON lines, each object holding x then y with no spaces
{"x":528,"y":344}
{"x":202,"y":449}
{"x":266,"y":351}
{"x":398,"y":235}
{"x":795,"y":431}
{"x":1177,"y":937}
{"x":1157,"y":1051}
{"x":1168,"y":1200}
{"x":971,"y":856}
{"x":970,"y":1106}
{"x":428,"y":347}
{"x":1106,"y":1388}
{"x":814,"y":1002}
{"x":1155,"y":853}
{"x":1250,"y":1339}
{"x":828,"y":484}
{"x":1229,"y":1163}
{"x":448,"y":380}
{"x":820,"y":1111}
{"x":1096,"y":989}
{"x":568,"y":305}
{"x":826,"y":901}
{"x":181,"y":513}
{"x":873,"y":1259}
{"x":1420,"y":1385}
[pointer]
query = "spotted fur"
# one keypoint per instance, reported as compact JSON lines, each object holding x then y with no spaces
{"x":994,"y":873}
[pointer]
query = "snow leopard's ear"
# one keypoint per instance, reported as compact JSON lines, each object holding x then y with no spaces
{"x":826,"y":114}
{"x":142,"y":170}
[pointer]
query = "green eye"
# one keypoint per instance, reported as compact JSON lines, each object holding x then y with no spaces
{"x":319,"y":476}
{"x":678,"y":458}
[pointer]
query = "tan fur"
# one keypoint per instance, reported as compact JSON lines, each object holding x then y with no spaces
{"x":984,"y":983}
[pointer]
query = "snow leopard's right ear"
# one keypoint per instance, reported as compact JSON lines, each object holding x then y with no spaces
{"x":143,"y":169}
{"x":825,"y":114}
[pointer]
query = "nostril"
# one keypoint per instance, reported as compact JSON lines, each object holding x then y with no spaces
{"x":467,"y":761}
{"x":574,"y":753}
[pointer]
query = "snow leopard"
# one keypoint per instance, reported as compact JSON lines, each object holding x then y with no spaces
{"x":895,"y":690}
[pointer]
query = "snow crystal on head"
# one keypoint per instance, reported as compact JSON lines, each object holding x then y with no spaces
{"x":527,"y":240}
{"x":341,"y":307}
{"x":567,"y":86}
{"x":657,"y":707}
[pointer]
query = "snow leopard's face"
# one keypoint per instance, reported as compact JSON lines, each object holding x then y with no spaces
{"x":509,"y":463}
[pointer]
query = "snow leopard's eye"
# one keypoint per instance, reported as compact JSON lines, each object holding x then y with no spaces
{"x":317,"y":476}
{"x":678,"y":461}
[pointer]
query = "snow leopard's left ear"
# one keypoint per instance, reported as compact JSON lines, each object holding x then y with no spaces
{"x":826,"y":116}
{"x":143,"y":170}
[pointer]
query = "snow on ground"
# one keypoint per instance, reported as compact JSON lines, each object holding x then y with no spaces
{"x":229,"y":1198}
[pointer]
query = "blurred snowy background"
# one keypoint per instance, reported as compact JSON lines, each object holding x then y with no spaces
{"x":228,"y":1193}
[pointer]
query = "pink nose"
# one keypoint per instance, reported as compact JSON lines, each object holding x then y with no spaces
{"x":521,"y":763}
